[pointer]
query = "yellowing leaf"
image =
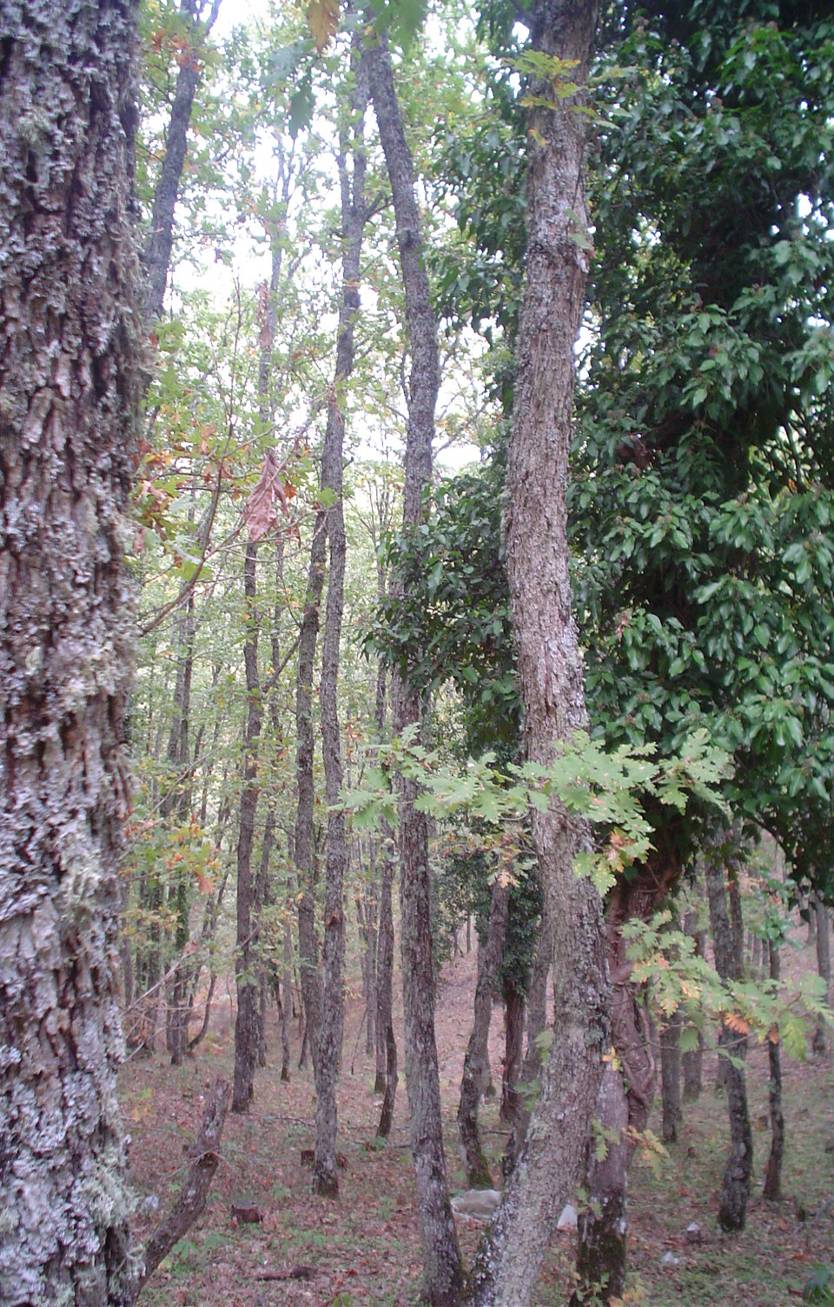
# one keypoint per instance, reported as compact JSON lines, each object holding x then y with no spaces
{"x":323,"y":19}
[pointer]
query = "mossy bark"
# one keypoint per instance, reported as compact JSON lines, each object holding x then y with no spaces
{"x":71,"y":388}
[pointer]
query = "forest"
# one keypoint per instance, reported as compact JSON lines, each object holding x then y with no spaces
{"x":416,"y":653}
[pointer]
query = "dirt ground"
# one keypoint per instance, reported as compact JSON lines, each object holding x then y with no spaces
{"x":364,"y":1248}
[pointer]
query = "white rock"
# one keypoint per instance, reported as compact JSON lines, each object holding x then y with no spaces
{"x":669,"y":1259}
{"x":569,"y":1218}
{"x":477,"y":1203}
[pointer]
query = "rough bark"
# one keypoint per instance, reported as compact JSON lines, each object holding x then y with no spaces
{"x":735,"y":1190}
{"x":443,"y":1276}
{"x":476,"y":1060}
{"x":327,"y":1061}
{"x":549,"y":661}
{"x":157,"y":257}
{"x":670,"y":1077}
{"x":820,"y":1041}
{"x":71,"y":388}
{"x":246,"y":980}
{"x":773,"y":1172}
{"x":190,"y":1202}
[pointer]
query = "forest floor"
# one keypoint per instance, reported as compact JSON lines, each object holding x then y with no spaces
{"x":364,"y":1248}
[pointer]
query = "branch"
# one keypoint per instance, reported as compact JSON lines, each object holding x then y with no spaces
{"x":190,"y":1202}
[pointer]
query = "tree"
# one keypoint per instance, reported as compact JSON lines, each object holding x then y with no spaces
{"x":354,"y":215}
{"x":160,"y":240}
{"x":549,"y":661}
{"x":443,"y":1272}
{"x":72,"y":388}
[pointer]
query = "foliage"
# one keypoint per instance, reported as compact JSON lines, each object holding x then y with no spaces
{"x":665,"y":956}
{"x":608,"y":789}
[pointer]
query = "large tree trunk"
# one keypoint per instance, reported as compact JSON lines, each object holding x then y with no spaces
{"x":69,"y":374}
{"x":820,"y":1042}
{"x":548,"y":1167}
{"x":327,"y":1061}
{"x":161,"y":236}
{"x":246,"y":981}
{"x":735,"y":1191}
{"x":773,"y":1173}
{"x":442,"y":1264}
{"x":476,"y":1060}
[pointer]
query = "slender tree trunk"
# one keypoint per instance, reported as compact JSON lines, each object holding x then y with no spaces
{"x":176,"y":1010}
{"x":246,"y":981}
{"x":548,"y":1167}
{"x":735,"y":1192}
{"x":692,"y":1062}
{"x":286,"y":1011}
{"x":820,"y":1042}
{"x":513,"y":1037}
{"x":304,"y":842}
{"x":773,"y":1173}
{"x":536,"y":1024}
{"x":603,"y":1223}
{"x":386,"y":1041}
{"x":369,"y":965}
{"x":476,"y":1061}
{"x":71,"y":387}
{"x":161,"y":236}
{"x":385,"y":982}
{"x":441,"y":1255}
{"x":326,"y":1064}
{"x":670,"y":1076}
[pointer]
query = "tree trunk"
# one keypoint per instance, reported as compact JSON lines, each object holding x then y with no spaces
{"x":246,"y":980}
{"x":386,"y":1041}
{"x":385,"y":982}
{"x":536,"y":1025}
{"x":327,"y":1062}
{"x":549,"y":660}
{"x":286,"y":1010}
{"x":670,"y":1076}
{"x":161,"y":236}
{"x":732,"y":1212}
{"x":70,"y":380}
{"x":304,"y":842}
{"x":603,"y":1225}
{"x":820,"y":1042}
{"x":177,"y":805}
{"x":692,"y":1062}
{"x":476,"y":1061}
{"x":773,"y":1174}
{"x":442,"y":1264}
{"x":513,"y":1037}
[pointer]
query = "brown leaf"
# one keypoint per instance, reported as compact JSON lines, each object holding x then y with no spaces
{"x":323,"y":18}
{"x":261,"y":513}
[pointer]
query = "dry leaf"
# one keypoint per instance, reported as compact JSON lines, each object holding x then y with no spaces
{"x":261,"y":508}
{"x":323,"y":18}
